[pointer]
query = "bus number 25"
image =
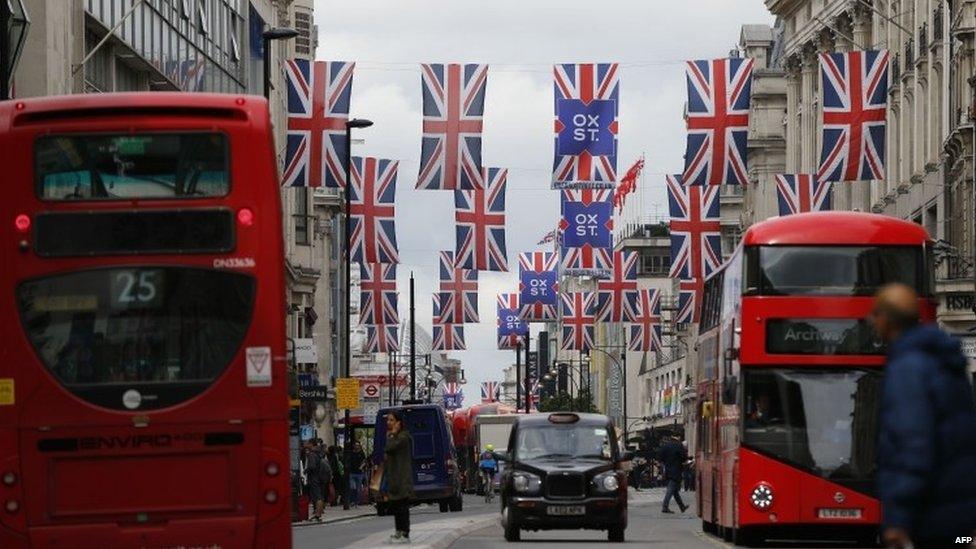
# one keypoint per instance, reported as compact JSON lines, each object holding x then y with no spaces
{"x":135,"y":286}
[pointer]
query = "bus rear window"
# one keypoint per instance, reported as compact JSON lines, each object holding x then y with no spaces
{"x":832,"y":270}
{"x":132,"y":166}
{"x":164,"y":332}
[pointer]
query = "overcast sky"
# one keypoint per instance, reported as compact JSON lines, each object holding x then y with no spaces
{"x":520,"y":40}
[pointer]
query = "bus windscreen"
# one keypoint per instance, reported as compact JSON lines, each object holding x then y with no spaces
{"x":832,"y":270}
{"x":167,"y":332}
{"x":823,"y":421}
{"x":132,"y":166}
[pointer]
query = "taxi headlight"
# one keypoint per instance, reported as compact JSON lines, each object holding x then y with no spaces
{"x":526,"y":483}
{"x":606,"y":482}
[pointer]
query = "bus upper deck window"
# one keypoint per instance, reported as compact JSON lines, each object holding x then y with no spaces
{"x":132,"y":166}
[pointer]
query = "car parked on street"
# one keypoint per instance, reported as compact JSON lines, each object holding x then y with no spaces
{"x":564,"y":470}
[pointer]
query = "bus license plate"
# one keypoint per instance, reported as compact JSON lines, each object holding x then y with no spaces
{"x":839,"y":513}
{"x":563,"y":510}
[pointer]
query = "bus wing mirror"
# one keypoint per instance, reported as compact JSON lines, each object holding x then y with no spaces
{"x":502,"y":456}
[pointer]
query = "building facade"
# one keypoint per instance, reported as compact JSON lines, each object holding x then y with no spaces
{"x":929,"y":148}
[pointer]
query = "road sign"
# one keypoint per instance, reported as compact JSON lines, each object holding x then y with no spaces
{"x":371,"y":390}
{"x":347,"y":393}
{"x":370,"y":409}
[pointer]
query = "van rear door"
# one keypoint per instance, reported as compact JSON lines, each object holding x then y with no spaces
{"x":427,"y":431}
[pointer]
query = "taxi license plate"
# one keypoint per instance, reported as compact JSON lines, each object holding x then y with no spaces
{"x":563,"y":510}
{"x":828,"y":513}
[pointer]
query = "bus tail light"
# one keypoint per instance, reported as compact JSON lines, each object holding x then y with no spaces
{"x":12,"y":506}
{"x":762,"y":497}
{"x":245,"y":216}
{"x":272,"y":469}
{"x":9,"y":478}
{"x":271,"y":496}
{"x":22,"y":223}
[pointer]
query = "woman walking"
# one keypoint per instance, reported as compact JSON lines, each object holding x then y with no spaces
{"x":398,"y":470}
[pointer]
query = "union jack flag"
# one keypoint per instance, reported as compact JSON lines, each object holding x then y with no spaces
{"x":318,"y":109}
{"x":688,"y":292}
{"x":453,"y":395}
{"x":586,"y":242}
{"x":378,"y":294}
{"x":446,"y":336}
{"x":587,"y":97}
{"x":855,"y":102}
{"x":645,"y":332}
{"x":578,"y":317}
{"x":511,"y":329}
{"x":718,"y":121}
{"x":480,"y":224}
{"x":382,"y":338}
{"x":538,"y":286}
{"x":490,"y":391}
{"x":371,"y":207}
{"x":458,"y":292}
{"x":454,"y":104}
{"x":801,"y":192}
{"x":534,"y":395}
{"x":696,"y":243}
{"x":617,"y":297}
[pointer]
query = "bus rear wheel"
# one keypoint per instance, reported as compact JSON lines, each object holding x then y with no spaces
{"x":615,"y":534}
{"x":445,"y":505}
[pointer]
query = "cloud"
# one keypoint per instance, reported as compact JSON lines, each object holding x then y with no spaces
{"x":520,"y":39}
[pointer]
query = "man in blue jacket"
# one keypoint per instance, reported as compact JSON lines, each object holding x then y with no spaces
{"x":927,"y":438}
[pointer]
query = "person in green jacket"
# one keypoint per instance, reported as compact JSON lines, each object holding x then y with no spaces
{"x":398,"y":470}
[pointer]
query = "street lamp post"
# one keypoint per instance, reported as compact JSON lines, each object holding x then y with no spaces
{"x":346,"y":440}
{"x":276,"y":33}
{"x":622,"y":369}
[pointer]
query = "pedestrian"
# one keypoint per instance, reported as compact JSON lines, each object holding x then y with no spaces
{"x":357,"y":473}
{"x":927,"y":430}
{"x":398,"y":474}
{"x":318,"y":472}
{"x":335,"y":462}
{"x":673,"y":457}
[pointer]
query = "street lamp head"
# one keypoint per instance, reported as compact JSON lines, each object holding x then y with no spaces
{"x":359,"y":123}
{"x":547,"y":377}
{"x":279,"y":33}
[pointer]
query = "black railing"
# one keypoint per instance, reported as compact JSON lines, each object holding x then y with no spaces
{"x":937,"y":23}
{"x":955,"y":268}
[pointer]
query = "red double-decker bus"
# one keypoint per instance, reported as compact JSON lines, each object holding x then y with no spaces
{"x":789,"y":375}
{"x":143,"y":394}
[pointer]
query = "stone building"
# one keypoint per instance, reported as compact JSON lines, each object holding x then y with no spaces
{"x":929,"y":170}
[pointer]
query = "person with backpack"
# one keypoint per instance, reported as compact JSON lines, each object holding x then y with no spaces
{"x":318,"y":472}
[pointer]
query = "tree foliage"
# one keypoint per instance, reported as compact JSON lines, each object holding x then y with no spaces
{"x":564,"y":402}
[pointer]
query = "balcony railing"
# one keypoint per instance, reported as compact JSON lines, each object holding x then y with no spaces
{"x":954,"y":268}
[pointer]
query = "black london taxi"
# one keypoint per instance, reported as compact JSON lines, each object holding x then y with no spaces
{"x":563,"y":471}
